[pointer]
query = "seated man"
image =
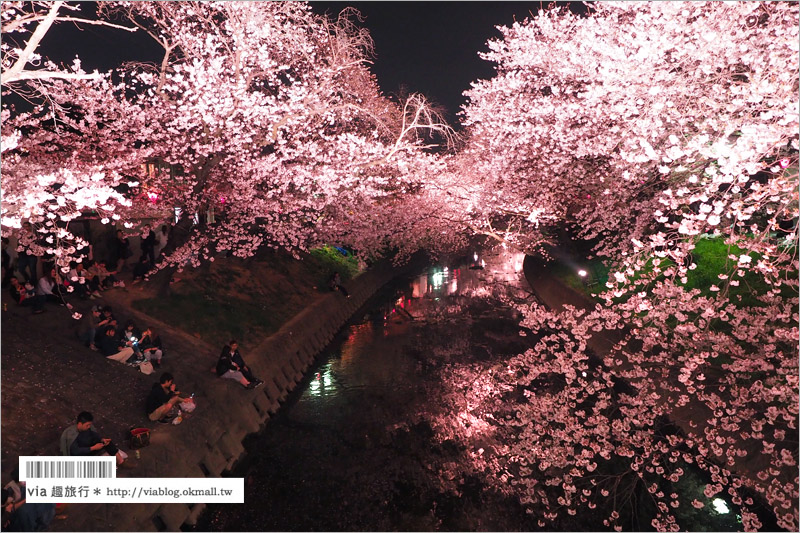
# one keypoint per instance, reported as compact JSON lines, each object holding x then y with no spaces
{"x":112,"y":348}
{"x":141,"y":269}
{"x":25,"y":295}
{"x":87,"y":329}
{"x":88,"y":442}
{"x":335,"y":283}
{"x":84,"y":284}
{"x":107,"y":320}
{"x":231,"y":366}
{"x":150,"y":346}
{"x":106,"y":279}
{"x":162,"y":399}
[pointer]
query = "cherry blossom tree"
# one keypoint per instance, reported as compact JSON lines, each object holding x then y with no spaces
{"x":646,"y":127}
{"x":266,"y":114}
{"x":279,"y":131}
{"x":54,"y":168}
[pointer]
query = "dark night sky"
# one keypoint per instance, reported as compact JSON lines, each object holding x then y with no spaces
{"x":426,"y":47}
{"x":432,"y":47}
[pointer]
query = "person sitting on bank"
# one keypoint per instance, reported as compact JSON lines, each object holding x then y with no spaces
{"x":52,"y":289}
{"x":107,"y":320}
{"x":112,"y":348}
{"x":25,"y":516}
{"x":130,"y":336}
{"x":89,"y":287}
{"x":141,"y":269}
{"x":335,"y":283}
{"x":150,"y":346}
{"x":25,"y":295}
{"x":160,"y":404}
{"x":231,"y":366}
{"x":106,"y":279}
{"x":89,"y":442}
{"x":87,"y":328}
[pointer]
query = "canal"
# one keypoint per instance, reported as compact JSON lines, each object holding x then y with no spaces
{"x":353,"y":448}
{"x":349,"y":449}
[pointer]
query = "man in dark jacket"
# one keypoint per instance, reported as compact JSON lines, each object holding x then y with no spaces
{"x":88,"y":442}
{"x":162,"y":399}
{"x":231,"y":366}
{"x":148,"y":244}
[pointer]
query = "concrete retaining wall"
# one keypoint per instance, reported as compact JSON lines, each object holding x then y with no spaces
{"x":210,"y":443}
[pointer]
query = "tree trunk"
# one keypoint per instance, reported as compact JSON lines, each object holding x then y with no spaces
{"x":177,"y":237}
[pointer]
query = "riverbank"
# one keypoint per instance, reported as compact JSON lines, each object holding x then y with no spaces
{"x":48,"y":376}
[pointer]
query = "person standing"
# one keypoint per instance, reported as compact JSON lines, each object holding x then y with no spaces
{"x":8,"y":266}
{"x":122,"y":250}
{"x":27,"y":256}
{"x":162,"y":236}
{"x":148,"y":244}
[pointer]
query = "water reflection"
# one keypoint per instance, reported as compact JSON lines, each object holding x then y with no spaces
{"x":347,"y":441}
{"x":494,"y":270}
{"x":373,"y":355}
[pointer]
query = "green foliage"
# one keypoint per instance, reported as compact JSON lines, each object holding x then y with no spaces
{"x":711,"y":257}
{"x":690,"y":488}
{"x":329,"y":260}
{"x":593,"y":284}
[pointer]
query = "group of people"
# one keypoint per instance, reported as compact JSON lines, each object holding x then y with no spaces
{"x":85,"y":279}
{"x":99,"y":331}
{"x":165,"y":404}
{"x":151,"y":244}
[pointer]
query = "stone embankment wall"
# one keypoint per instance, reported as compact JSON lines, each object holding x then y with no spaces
{"x":210,"y":442}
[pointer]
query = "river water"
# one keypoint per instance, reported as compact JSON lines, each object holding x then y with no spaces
{"x":348,"y":451}
{"x":352,"y":449}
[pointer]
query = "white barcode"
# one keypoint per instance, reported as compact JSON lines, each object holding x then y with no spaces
{"x":67,"y":468}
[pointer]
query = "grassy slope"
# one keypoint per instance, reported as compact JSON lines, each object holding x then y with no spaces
{"x":246,"y":299}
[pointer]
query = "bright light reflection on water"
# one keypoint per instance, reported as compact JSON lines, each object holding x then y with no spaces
{"x":339,"y":443}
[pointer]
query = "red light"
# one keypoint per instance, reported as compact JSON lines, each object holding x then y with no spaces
{"x":222,"y":199}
